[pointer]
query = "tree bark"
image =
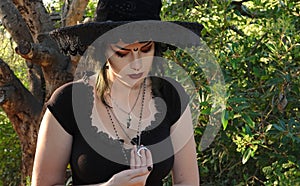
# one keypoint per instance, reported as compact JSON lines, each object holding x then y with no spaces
{"x":76,"y":12}
{"x":23,"y":110}
{"x":17,"y":27}
{"x":28,"y":23}
{"x":35,"y":16}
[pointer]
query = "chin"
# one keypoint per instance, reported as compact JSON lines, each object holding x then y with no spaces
{"x":134,"y":82}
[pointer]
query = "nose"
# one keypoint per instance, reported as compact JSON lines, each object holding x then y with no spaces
{"x":136,"y":63}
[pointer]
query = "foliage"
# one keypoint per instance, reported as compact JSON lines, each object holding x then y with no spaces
{"x":7,"y":54}
{"x":10,"y":153}
{"x":10,"y":150}
{"x":257,"y":46}
{"x":91,"y":9}
{"x":256,"y":43}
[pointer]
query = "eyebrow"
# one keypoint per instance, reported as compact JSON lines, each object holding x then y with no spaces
{"x":147,"y":43}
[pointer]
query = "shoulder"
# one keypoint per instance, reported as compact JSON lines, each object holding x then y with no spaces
{"x":64,"y":102}
{"x":173,"y":94}
{"x":171,"y":90}
{"x":65,"y":90}
{"x":67,"y":87}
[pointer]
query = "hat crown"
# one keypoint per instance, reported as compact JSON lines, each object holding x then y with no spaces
{"x":128,"y":10}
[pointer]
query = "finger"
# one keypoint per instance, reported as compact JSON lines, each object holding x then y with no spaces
{"x":132,"y":173}
{"x":143,"y":158}
{"x":132,"y":158}
{"x":137,"y":159}
{"x":149,"y":162}
{"x":139,"y":180}
{"x":127,"y":175}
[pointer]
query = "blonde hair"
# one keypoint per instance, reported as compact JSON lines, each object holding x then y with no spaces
{"x":102,"y":84}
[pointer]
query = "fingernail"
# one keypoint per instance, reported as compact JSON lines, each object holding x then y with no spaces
{"x":149,"y":168}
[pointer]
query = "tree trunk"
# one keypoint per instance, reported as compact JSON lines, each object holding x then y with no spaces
{"x":76,"y":12}
{"x":29,"y":23}
{"x":23,"y":111}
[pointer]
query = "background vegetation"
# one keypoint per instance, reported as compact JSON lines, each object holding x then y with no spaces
{"x":257,"y":44}
{"x":10,"y":152}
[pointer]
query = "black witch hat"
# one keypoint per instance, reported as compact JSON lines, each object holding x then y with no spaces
{"x":111,"y":14}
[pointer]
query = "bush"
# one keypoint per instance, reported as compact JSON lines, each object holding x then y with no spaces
{"x":10,"y":150}
{"x":10,"y":153}
{"x":256,"y":43}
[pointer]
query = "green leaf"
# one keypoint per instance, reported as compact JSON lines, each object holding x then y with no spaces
{"x":246,"y":155}
{"x":248,"y":120}
{"x":257,"y":71}
{"x":247,"y":130}
{"x":224,"y":119}
{"x":278,"y":127}
{"x":205,"y":111}
{"x":271,"y":47}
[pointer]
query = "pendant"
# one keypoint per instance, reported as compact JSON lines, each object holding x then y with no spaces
{"x":128,"y":121}
{"x":135,"y":140}
{"x":139,"y":150}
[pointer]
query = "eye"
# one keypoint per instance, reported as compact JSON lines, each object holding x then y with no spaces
{"x":146,"y":49}
{"x":121,"y":54}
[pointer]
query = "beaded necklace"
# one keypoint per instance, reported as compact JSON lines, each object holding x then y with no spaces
{"x":110,"y":113}
{"x":128,"y":113}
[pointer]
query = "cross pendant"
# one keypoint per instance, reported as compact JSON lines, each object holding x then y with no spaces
{"x":128,"y":121}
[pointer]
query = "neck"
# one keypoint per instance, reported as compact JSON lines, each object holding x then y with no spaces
{"x":117,"y":84}
{"x":125,"y":95}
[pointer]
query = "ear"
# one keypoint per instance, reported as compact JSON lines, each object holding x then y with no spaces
{"x":106,"y":64}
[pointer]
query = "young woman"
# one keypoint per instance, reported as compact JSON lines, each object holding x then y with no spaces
{"x":120,"y":127}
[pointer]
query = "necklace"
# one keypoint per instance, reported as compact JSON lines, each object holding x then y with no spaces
{"x":110,"y":113}
{"x":129,"y":113}
{"x":117,"y":135}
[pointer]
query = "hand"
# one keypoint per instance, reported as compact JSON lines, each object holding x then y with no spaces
{"x":140,"y":168}
{"x":145,"y":160}
{"x":130,"y":177}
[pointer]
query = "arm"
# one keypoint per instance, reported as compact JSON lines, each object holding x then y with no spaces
{"x":185,"y":170}
{"x":52,"y":153}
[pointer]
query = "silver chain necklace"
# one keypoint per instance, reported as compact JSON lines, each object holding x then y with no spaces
{"x":124,"y":111}
{"x":110,"y":113}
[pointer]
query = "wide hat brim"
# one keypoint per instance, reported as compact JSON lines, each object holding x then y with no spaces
{"x":74,"y":40}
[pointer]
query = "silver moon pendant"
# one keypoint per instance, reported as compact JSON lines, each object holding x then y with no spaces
{"x":139,"y":150}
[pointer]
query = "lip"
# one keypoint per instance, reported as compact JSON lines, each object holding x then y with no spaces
{"x":136,"y":76}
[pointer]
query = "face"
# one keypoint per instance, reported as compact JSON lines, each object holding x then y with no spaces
{"x":130,"y":63}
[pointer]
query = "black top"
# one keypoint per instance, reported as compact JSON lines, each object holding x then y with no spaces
{"x":95,"y":156}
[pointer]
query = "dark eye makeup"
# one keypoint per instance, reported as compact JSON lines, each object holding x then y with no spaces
{"x":146,"y":49}
{"x":123,"y":51}
{"x":120,"y":54}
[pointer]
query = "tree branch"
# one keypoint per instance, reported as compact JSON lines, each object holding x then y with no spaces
{"x":23,"y":110}
{"x":36,"y":53}
{"x":18,"y":29}
{"x":56,"y":67}
{"x":64,"y":12}
{"x":13,"y":22}
{"x":43,"y":57}
{"x":76,"y":12}
{"x":29,"y":24}
{"x":35,"y":15}
{"x":236,"y":30}
{"x":15,"y":97}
